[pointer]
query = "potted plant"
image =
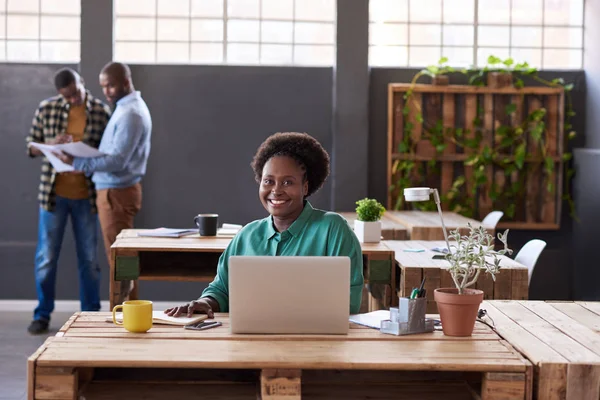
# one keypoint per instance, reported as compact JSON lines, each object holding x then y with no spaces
{"x":471,"y":255}
{"x":368,"y":222}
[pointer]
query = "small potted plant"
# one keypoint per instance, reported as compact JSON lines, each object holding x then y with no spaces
{"x":471,"y":255}
{"x":368,"y":220}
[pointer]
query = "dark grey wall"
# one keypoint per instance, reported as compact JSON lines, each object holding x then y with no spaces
{"x":552,"y":278}
{"x":208,"y":123}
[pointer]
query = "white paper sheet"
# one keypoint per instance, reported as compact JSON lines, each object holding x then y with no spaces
{"x":58,"y":165}
{"x":372,"y":319}
{"x":79,"y":149}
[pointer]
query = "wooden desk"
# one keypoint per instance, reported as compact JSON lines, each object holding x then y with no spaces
{"x":426,"y":225}
{"x":195,"y":258}
{"x":390,"y":228}
{"x":511,"y":283}
{"x":561,"y":339}
{"x":99,"y":360}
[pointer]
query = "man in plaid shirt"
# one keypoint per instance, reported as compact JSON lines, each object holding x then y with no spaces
{"x":73,"y":115}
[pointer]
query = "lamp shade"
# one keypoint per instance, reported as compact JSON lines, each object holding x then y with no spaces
{"x":417,"y":194}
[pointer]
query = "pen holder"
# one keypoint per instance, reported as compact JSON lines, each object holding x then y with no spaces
{"x":408,"y":318}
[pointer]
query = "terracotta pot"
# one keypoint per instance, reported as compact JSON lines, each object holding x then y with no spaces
{"x":499,"y":80}
{"x":458,"y":312}
{"x":441,"y":80}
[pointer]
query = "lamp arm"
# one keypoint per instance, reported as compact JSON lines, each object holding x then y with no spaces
{"x":436,"y":198}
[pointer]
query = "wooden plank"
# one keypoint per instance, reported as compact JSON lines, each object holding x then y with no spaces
{"x":528,"y":226}
{"x":583,"y":382}
{"x":486,"y":284}
{"x":502,"y":285}
{"x":280,"y":384}
{"x":561,"y":150}
{"x":470,"y":115}
{"x":551,"y":381}
{"x":453,"y":157}
{"x":485,"y":202}
{"x":520,"y":284}
{"x":159,"y":391}
{"x":380,"y":297}
{"x":534,"y":174}
{"x":448,"y":123}
{"x":433,"y":281}
{"x":579,"y":313}
{"x":423,"y":88}
{"x":550,"y":199}
{"x":411,"y":278}
{"x":395,"y":128}
{"x":592,"y":306}
{"x":408,"y":391}
{"x":56,"y":383}
{"x":31,"y":364}
{"x":497,"y":386}
{"x":517,"y":120}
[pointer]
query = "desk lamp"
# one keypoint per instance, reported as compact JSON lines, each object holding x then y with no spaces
{"x":422,"y":194}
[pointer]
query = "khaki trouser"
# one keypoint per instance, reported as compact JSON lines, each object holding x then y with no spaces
{"x":116,"y":210}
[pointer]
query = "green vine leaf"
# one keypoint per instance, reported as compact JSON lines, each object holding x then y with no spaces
{"x":511,"y":108}
{"x":520,"y":156}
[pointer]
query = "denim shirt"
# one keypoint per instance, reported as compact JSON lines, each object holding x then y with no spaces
{"x":126,"y":143}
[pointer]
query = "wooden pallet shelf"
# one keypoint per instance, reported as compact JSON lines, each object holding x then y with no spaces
{"x":459,"y":106}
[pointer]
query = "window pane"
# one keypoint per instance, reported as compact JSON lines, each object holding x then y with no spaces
{"x":59,"y":51}
{"x":207,"y":8}
{"x":174,"y":8}
{"x":173,"y":53}
{"x":423,"y":56}
{"x":426,"y":34}
{"x":22,"y":50}
{"x":23,"y":6}
{"x":388,"y":10}
{"x":458,"y":35}
{"x":277,"y":32}
{"x":312,"y":33}
{"x":242,"y":31}
{"x":483,"y":53}
{"x":2,"y":27}
{"x":207,"y":53}
{"x":526,"y":37}
{"x":389,"y":34}
{"x":242,"y":9}
{"x":527,"y":12}
{"x":60,"y":28}
{"x":314,"y":55}
{"x":562,"y":59}
{"x":135,"y":52}
{"x":388,"y":56}
{"x":22,"y":27}
{"x":67,"y":7}
{"x":563,"y":12}
{"x":458,"y":56}
{"x":493,"y":35}
{"x":135,"y":29}
{"x":173,"y":29}
{"x":457,"y":11}
{"x":276,"y":54}
{"x":278,"y":9}
{"x":532,"y":56}
{"x":563,"y":37}
{"x":238,"y":53}
{"x":129,"y":7}
{"x":315,"y":10}
{"x":494,"y":11}
{"x":425,"y":10}
{"x":207,"y":30}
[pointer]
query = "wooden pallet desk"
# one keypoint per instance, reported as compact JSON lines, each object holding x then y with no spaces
{"x":426,"y":225}
{"x":561,"y":339}
{"x":98,"y":360}
{"x":195,"y":258}
{"x":511,"y":283}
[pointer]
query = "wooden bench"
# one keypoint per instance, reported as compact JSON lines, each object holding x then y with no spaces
{"x":561,"y":339}
{"x":98,"y":360}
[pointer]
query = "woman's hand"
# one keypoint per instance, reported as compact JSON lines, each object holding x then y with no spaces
{"x":200,"y":306}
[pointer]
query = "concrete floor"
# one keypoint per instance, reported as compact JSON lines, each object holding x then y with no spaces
{"x":16,"y":345}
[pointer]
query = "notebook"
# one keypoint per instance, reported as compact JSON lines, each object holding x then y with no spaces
{"x":159,"y":317}
{"x":167,"y":232}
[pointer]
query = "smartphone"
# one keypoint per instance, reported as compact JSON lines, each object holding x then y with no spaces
{"x":201,"y":326}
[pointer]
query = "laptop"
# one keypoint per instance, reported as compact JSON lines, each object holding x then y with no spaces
{"x":293,"y":295}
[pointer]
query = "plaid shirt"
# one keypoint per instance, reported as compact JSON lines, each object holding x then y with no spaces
{"x":51,"y":119}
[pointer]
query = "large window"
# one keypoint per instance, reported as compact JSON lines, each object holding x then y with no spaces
{"x":545,"y":33}
{"x":40,"y":30}
{"x":272,"y":32}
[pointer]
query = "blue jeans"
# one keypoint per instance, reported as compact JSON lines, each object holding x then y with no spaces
{"x":51,"y":229}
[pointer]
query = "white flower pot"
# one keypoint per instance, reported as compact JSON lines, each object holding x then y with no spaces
{"x":368,"y":232}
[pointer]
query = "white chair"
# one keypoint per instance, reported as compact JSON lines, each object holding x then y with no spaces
{"x":528,"y":255}
{"x":492,"y":219}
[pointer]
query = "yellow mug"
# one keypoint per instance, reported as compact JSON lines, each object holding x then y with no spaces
{"x":137,"y":315}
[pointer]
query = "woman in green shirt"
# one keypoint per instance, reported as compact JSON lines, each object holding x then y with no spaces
{"x":289,"y":167}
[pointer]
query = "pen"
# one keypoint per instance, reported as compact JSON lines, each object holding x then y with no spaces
{"x":421,"y":290}
{"x":414,"y":293}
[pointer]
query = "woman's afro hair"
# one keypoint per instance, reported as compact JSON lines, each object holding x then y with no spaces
{"x":303,"y":148}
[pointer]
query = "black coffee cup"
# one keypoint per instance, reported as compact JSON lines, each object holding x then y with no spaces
{"x":207,"y":224}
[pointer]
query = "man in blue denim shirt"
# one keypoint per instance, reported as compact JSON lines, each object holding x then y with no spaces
{"x":126,"y":143}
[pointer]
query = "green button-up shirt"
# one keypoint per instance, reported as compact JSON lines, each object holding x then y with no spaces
{"x":314,"y":233}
